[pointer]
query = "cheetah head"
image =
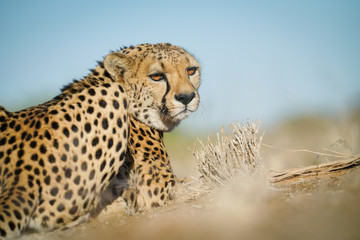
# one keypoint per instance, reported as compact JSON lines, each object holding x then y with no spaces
{"x":161,"y":81}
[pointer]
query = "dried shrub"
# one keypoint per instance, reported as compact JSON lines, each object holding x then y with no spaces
{"x":231,"y":157}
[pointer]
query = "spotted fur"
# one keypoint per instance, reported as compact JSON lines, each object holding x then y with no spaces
{"x":58,"y":158}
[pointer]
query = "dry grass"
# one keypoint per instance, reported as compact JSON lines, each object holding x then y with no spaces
{"x":236,"y":198}
{"x":231,"y":157}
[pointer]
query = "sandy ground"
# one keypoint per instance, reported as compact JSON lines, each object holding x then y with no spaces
{"x":247,"y":208}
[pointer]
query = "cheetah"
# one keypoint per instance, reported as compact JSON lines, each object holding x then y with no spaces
{"x":57,"y":158}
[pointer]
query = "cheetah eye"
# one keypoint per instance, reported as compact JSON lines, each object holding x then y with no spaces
{"x":191,"y":71}
{"x":157,"y":76}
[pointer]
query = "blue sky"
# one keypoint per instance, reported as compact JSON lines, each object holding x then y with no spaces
{"x":264,"y":60}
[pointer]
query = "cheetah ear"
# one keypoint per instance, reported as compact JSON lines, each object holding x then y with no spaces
{"x":117,"y":64}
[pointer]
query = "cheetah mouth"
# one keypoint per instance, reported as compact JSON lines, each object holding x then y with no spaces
{"x":182,"y":114}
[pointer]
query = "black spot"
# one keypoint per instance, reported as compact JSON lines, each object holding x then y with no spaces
{"x":90,"y":110}
{"x":125,"y":103}
{"x":172,"y":183}
{"x":11,"y":226}
{"x":103,"y":92}
{"x":63,"y":158}
{"x":76,"y":142}
{"x":3,"y":127}
{"x":119,"y":123}
{"x":105,"y":123}
{"x":2,"y":232}
{"x":95,"y":141}
{"x":67,"y":147}
{"x":12,"y":140}
{"x":68,"y":194}
{"x":83,"y":150}
{"x":118,"y":146}
{"x":148,"y":182}
{"x":47,"y":180}
{"x":102,"y":166}
{"x":17,"y":214}
{"x":59,"y":221}
{"x":92,"y":174}
{"x":87,"y":127}
{"x":155,"y":205}
{"x":68,"y":173}
{"x":17,"y":171}
{"x":34,"y":157}
{"x":106,"y":74}
{"x":20,"y":153}
{"x":73,"y":210}
{"x":66,"y":132}
{"x":98,"y":153}
{"x":56,"y":144}
{"x":38,"y":124}
{"x":74,"y":128}
{"x":51,"y":158}
{"x":16,"y":204}
{"x":84,"y":166}
{"x":115,"y":104}
{"x":102,"y":103}
{"x":91,"y":92}
{"x":53,"y":112}
{"x":77,"y":180}
{"x":19,"y":163}
{"x":55,"y":169}
{"x":78,"y":117}
{"x":17,"y":128}
{"x":82,"y":98}
{"x":54,"y":191}
{"x":47,"y":135}
{"x":43,"y":149}
{"x":67,"y":117}
{"x":103,"y":177}
{"x":156,"y":191}
{"x":26,"y":211}
{"x":36,"y":171}
{"x":110,"y":143}
{"x":60,"y":207}
{"x":55,"y":125}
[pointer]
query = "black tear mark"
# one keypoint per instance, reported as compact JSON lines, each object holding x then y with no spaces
{"x":164,"y":109}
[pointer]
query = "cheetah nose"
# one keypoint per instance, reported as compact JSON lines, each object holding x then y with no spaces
{"x":185,"y":98}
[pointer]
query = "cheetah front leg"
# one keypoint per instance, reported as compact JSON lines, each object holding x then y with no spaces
{"x":151,"y":179}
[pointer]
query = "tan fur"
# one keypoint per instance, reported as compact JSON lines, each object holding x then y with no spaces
{"x":58,"y":158}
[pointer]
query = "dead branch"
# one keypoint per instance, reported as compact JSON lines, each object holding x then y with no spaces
{"x":321,"y":171}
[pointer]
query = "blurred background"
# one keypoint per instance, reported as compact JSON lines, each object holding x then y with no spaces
{"x":293,"y":65}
